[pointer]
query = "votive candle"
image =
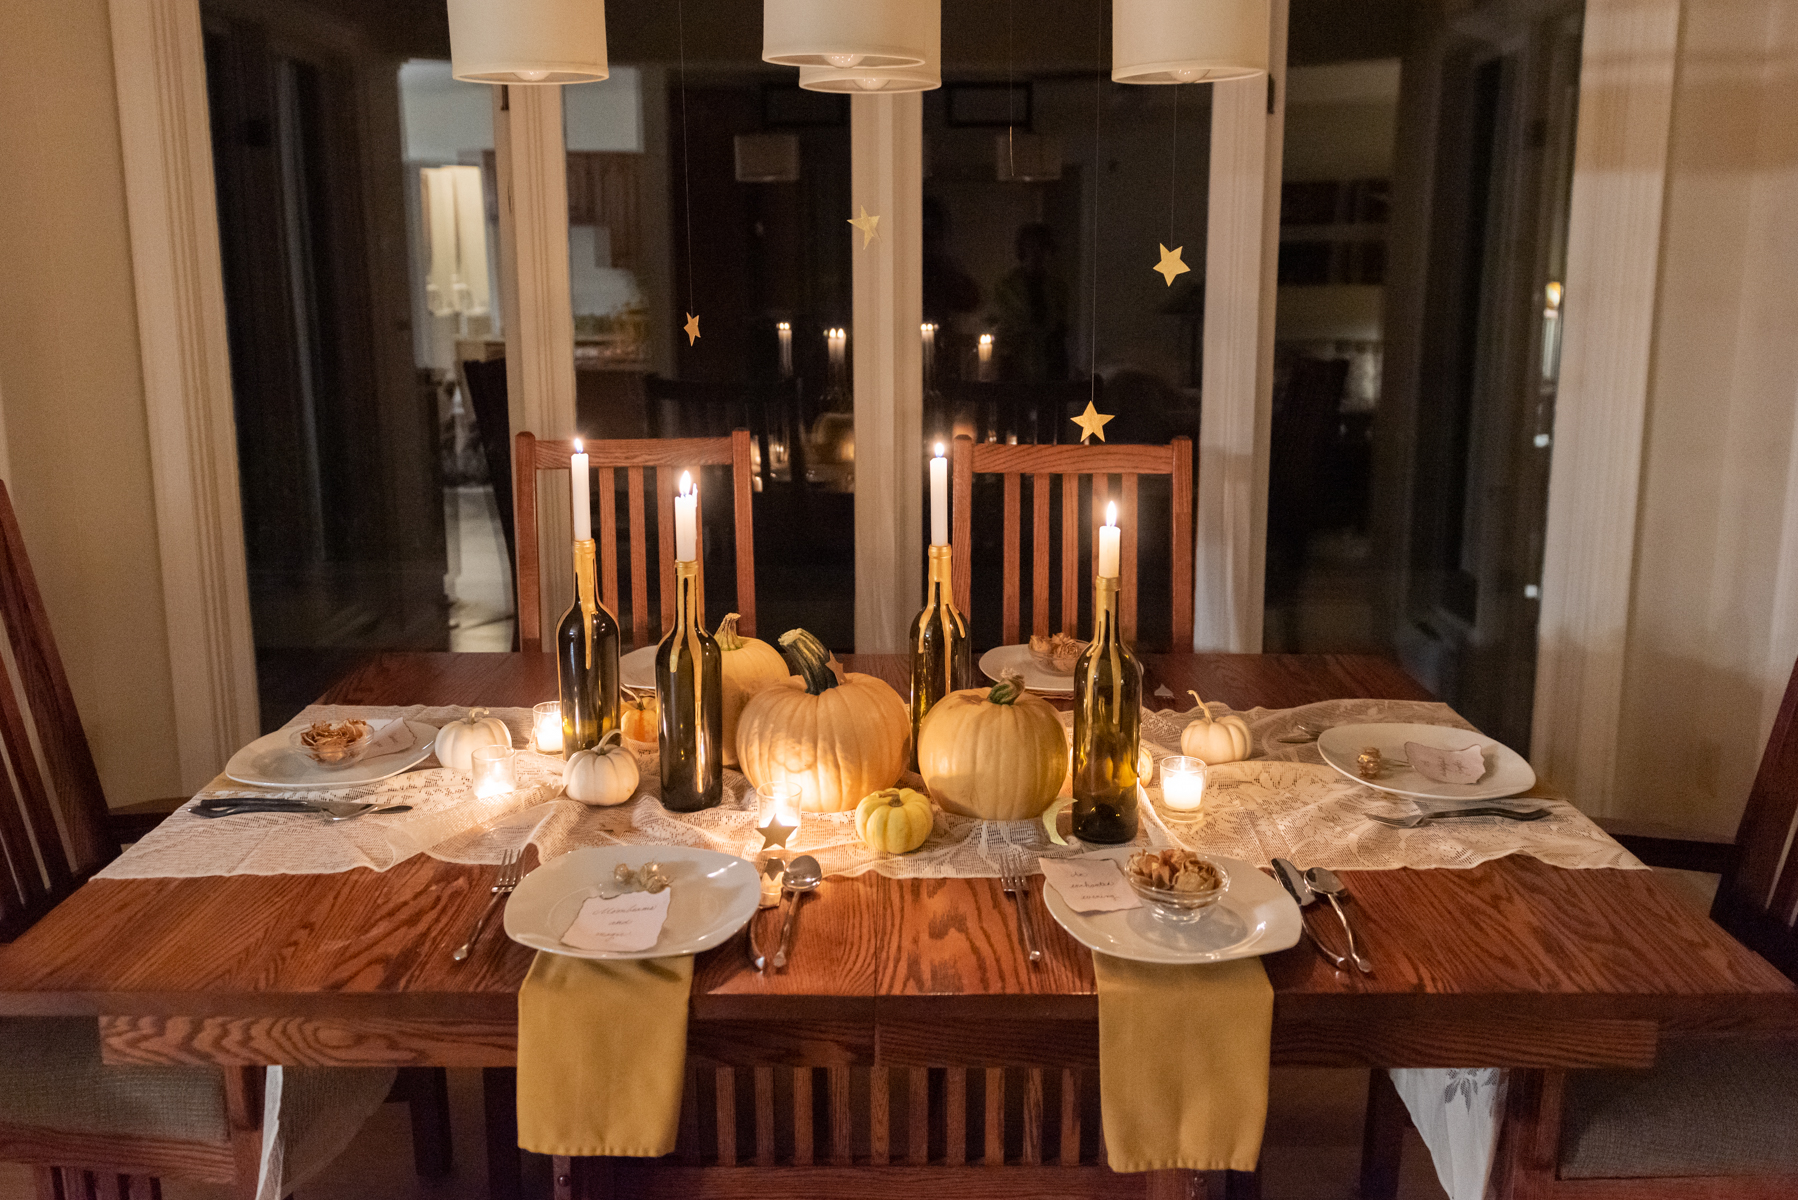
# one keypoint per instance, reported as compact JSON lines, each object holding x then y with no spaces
{"x":546,"y":726}
{"x":1182,"y":783}
{"x":495,"y":771}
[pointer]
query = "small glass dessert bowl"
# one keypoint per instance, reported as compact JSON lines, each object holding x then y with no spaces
{"x":333,"y":743}
{"x":1177,"y":886}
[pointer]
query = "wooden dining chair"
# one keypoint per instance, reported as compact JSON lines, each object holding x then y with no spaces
{"x":1045,"y":465}
{"x":1714,"y":1118}
{"x":89,"y":1129}
{"x":667,"y":457}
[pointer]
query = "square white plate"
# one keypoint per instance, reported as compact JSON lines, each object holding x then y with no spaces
{"x":714,"y":895}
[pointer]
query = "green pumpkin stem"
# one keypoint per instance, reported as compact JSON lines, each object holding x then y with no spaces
{"x":809,"y":660}
{"x":727,"y":636}
{"x":1006,"y":691}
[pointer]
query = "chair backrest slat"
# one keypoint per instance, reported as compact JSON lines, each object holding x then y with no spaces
{"x":1043,"y":464}
{"x":643,"y":460}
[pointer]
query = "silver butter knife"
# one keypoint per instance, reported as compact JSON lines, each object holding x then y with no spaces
{"x":1293,"y":880}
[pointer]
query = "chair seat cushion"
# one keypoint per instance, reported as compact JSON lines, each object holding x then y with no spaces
{"x":1705,"y":1108}
{"x":51,"y":1077}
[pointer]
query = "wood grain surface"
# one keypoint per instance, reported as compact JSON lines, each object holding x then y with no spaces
{"x":1510,"y":963}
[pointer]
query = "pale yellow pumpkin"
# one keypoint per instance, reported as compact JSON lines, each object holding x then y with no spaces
{"x":603,"y":776}
{"x":639,"y":718}
{"x":835,"y":740}
{"x":894,"y":820}
{"x":750,"y":665}
{"x":1211,"y":740}
{"x":998,"y":753}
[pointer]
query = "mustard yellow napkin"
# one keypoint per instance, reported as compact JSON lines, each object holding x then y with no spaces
{"x":1183,"y":1057}
{"x":602,"y":1054}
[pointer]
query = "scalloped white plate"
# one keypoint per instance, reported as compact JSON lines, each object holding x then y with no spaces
{"x":714,"y":895}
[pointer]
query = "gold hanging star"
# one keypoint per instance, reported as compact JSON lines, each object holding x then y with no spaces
{"x":692,"y":328}
{"x":1091,"y":421}
{"x":776,"y":834}
{"x":867,"y":224}
{"x":1170,"y":264}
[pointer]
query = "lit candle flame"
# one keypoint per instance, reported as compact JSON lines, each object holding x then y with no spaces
{"x":939,"y":449}
{"x":1111,"y":514}
{"x":986,"y":339}
{"x":686,"y":484}
{"x":578,"y":448}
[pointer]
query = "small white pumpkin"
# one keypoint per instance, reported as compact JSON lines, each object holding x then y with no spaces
{"x":457,"y":741}
{"x":1222,"y":740}
{"x":603,"y":776}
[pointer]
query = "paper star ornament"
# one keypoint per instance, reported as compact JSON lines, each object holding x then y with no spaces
{"x":1170,"y":264}
{"x":1091,"y":422}
{"x":692,"y":329}
{"x":776,"y":834}
{"x":868,"y":225}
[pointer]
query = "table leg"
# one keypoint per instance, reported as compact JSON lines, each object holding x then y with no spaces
{"x":499,"y":1097}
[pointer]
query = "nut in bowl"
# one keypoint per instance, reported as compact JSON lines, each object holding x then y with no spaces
{"x":1057,"y":654}
{"x":333,"y":743}
{"x":1177,"y":886}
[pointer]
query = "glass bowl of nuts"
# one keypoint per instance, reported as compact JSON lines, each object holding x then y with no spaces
{"x":1056,"y":653}
{"x":333,"y":743}
{"x":1177,"y":886}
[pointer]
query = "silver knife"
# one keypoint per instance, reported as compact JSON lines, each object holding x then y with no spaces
{"x":1293,"y":880}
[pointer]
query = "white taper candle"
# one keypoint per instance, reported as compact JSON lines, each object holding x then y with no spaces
{"x":686,"y":533}
{"x":1108,"y":542}
{"x":939,"y":498}
{"x":583,"y":507}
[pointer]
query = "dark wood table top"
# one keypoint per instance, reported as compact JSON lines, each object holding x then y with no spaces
{"x":1509,"y":963}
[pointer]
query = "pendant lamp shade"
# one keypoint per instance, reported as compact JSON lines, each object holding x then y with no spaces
{"x":926,"y":76}
{"x":848,"y":33}
{"x":1188,"y":41}
{"x":528,"y":41}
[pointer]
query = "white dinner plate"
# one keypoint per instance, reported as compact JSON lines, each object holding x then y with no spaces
{"x":638,"y":669}
{"x":712,"y":896}
{"x":1507,"y":774}
{"x":1001,"y":661}
{"x":272,"y":761}
{"x":1255,"y":917}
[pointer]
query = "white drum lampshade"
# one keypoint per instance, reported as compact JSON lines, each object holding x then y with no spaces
{"x":528,"y":41}
{"x":926,"y":76}
{"x":1188,"y":41}
{"x":848,"y":33}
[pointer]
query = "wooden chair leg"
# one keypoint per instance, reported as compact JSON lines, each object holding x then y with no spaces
{"x":499,"y":1094}
{"x":1382,"y":1138}
{"x":1529,"y":1144}
{"x":425,"y":1091}
{"x":243,"y":1112}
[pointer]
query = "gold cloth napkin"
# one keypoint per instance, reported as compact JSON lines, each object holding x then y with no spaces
{"x":1183,"y":1059}
{"x":602,"y":1054}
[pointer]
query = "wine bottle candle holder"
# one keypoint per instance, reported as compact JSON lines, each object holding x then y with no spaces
{"x":942,"y":657}
{"x":690,"y":688}
{"x":1107,"y":726}
{"x":587,"y":654}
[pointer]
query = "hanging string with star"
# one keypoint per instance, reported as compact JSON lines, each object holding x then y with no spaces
{"x":691,"y":328}
{"x":1171,"y":264}
{"x":1092,"y":421}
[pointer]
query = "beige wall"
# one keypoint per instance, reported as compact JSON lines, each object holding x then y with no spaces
{"x":1714,"y":613}
{"x":76,"y":447}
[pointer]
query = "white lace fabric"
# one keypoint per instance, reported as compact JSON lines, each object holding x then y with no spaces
{"x":1284,"y":803}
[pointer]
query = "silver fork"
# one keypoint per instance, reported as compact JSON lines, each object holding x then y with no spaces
{"x":1015,"y":881}
{"x":503,"y":883}
{"x":1419,"y":819}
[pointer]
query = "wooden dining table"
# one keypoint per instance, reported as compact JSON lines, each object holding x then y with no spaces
{"x":1512,"y":963}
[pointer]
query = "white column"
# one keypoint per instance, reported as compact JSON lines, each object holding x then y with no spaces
{"x":1241,"y":247}
{"x":887,"y":174}
{"x":539,"y":317}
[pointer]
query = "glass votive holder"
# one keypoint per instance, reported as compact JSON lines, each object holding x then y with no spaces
{"x":777,"y":811}
{"x":495,"y":771}
{"x":1182,"y":783}
{"x":546,"y":727}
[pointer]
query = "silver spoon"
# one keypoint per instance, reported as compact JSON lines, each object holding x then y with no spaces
{"x":803,"y":874}
{"x":1293,"y":880}
{"x":1324,"y":882}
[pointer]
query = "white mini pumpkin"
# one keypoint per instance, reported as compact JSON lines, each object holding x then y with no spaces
{"x":457,"y":741}
{"x":603,"y":776}
{"x":1221,"y":740}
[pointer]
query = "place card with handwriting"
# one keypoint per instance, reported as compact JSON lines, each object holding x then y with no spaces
{"x":622,"y":924}
{"x":1446,"y":766}
{"x":1090,"y":884}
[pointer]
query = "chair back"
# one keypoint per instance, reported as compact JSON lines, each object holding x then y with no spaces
{"x":1044,"y":464}
{"x":634,"y":456}
{"x":1757,"y":900}
{"x":40,"y":863}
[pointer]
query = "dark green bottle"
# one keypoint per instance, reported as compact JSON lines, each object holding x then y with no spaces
{"x":586,"y":661}
{"x":942,"y":658}
{"x":690,"y":686}
{"x":1107,"y":727}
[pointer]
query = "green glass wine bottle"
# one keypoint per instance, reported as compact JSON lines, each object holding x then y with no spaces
{"x":586,"y":661}
{"x":1107,"y":727}
{"x":690,"y":686}
{"x":942,"y":657}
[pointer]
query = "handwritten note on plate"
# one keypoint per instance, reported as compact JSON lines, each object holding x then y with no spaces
{"x":1090,"y":884}
{"x":622,"y":924}
{"x":1446,"y":766}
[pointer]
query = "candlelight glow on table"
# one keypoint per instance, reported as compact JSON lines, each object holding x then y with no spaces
{"x":546,"y":727}
{"x":1182,"y":783}
{"x":495,"y":771}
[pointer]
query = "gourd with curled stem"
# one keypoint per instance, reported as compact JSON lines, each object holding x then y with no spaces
{"x":1223,"y":739}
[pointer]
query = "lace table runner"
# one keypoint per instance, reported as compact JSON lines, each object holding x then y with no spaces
{"x":1284,"y":803}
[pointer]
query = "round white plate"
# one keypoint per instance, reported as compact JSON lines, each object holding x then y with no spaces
{"x":638,"y":669}
{"x":271,"y":761}
{"x":1507,"y":773}
{"x":1001,"y":661}
{"x":1255,"y":917}
{"x":714,"y":895}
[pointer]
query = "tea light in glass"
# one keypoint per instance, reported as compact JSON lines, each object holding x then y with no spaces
{"x":546,"y":726}
{"x":495,"y":771}
{"x":1182,"y":783}
{"x":777,"y":811}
